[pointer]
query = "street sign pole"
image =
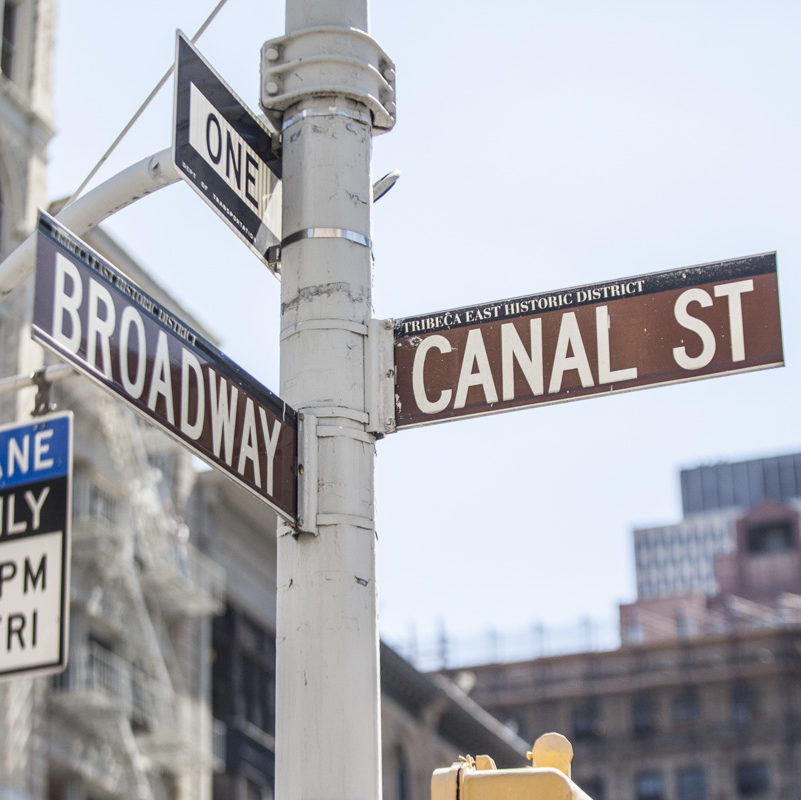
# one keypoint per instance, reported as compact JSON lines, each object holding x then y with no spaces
{"x":327,"y":86}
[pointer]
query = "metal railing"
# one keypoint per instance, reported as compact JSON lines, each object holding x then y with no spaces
{"x":99,"y":677}
{"x":219,"y":736}
{"x":185,"y":577}
{"x":444,"y":650}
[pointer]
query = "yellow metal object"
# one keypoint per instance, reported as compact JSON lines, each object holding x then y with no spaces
{"x":479,"y":779}
{"x":552,"y":750}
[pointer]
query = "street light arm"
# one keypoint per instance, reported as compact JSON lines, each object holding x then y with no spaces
{"x":80,"y":216}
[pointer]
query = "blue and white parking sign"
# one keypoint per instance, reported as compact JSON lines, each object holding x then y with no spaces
{"x":35,"y":493}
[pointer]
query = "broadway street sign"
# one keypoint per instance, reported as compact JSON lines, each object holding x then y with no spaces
{"x":97,"y":319}
{"x":224,"y":152}
{"x":655,"y":329}
{"x":35,"y":493}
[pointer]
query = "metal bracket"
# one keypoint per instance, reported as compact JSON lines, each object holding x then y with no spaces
{"x":274,"y":258}
{"x":41,"y":403}
{"x":310,"y":431}
{"x":379,"y":376}
{"x":308,"y":457}
{"x":327,"y":60}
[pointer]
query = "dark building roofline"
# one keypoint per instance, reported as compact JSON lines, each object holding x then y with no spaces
{"x":461,"y":720}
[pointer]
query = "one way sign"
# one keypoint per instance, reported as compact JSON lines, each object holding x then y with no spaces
{"x":35,"y":478}
{"x":224,"y":152}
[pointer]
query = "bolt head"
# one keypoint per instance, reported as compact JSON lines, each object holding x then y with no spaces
{"x":271,"y":54}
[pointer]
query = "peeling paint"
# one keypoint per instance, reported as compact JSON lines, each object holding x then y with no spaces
{"x":356,"y":198}
{"x":321,"y":290}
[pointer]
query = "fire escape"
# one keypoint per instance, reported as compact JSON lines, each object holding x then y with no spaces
{"x":133,"y":705}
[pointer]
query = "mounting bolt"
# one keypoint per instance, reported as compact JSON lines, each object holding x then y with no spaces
{"x":271,"y":54}
{"x":271,"y":87}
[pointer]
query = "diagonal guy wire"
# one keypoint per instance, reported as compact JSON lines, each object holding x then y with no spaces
{"x":144,"y":105}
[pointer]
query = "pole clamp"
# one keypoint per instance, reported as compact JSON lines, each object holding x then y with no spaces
{"x":310,"y":431}
{"x":41,"y":403}
{"x":327,"y":60}
{"x":379,"y":377}
{"x":327,"y":233}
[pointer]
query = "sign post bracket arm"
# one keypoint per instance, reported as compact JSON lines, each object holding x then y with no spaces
{"x":379,"y":377}
{"x":126,"y":187}
{"x":307,"y":473}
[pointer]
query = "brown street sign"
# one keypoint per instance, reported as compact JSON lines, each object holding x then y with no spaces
{"x":654,"y":329}
{"x":91,"y":315}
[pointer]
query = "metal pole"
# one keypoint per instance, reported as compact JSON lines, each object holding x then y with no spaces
{"x":119,"y":191}
{"x":328,"y":689}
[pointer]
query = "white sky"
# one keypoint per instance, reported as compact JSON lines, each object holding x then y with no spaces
{"x":543,"y":144}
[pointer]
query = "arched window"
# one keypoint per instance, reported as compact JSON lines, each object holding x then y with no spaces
{"x":9,"y":39}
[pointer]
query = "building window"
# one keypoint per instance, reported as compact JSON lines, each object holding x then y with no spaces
{"x":686,"y":707}
{"x":745,"y":704}
{"x":92,"y":500}
{"x":691,"y":784}
{"x":771,"y":537}
{"x":256,"y":791}
{"x":649,"y":786}
{"x":243,"y":677}
{"x":593,"y":787}
{"x":9,"y":38}
{"x":102,"y":504}
{"x":258,"y":689}
{"x":644,"y":715}
{"x":753,"y":778}
{"x":587,"y":723}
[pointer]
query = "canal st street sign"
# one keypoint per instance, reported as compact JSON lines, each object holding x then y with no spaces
{"x":654,"y":329}
{"x":97,"y":319}
{"x":224,"y":152}
{"x":35,"y":493}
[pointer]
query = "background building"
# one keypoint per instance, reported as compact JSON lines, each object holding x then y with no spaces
{"x":703,"y":699}
{"x":680,"y":558}
{"x":26,"y":127}
{"x":741,"y":484}
{"x":704,"y":718}
{"x":732,"y":561}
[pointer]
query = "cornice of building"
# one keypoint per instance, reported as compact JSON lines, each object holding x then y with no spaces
{"x":28,"y":122}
